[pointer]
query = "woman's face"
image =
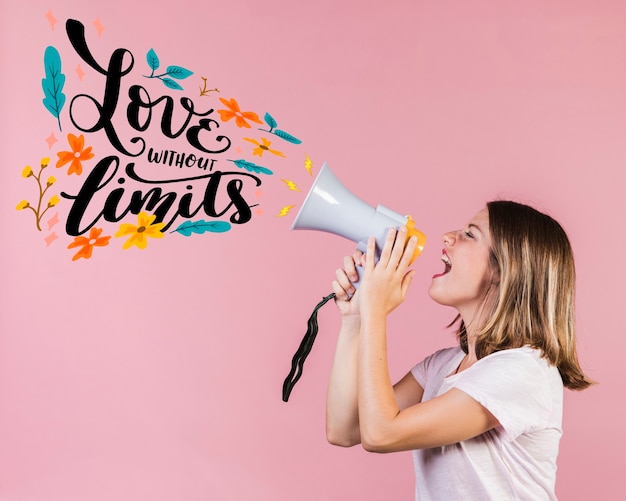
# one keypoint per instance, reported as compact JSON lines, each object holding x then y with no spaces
{"x":466,"y":276}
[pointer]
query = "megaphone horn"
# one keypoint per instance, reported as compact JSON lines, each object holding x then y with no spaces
{"x":331,"y":207}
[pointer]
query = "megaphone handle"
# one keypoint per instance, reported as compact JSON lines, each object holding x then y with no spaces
{"x":359,"y":271}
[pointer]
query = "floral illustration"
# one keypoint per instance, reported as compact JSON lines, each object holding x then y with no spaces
{"x":139,"y":233}
{"x":177,"y":72}
{"x":125,"y":211}
{"x":234,"y":111}
{"x":87,"y":244}
{"x":78,"y":154}
{"x":38,"y":210}
{"x":263,"y":147}
{"x":204,"y":91}
{"x":53,"y":83}
{"x":271,"y":121}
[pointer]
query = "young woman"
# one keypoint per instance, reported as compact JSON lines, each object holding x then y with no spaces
{"x":484,"y":418}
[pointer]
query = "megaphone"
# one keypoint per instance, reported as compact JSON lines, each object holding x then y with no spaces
{"x":330,"y":207}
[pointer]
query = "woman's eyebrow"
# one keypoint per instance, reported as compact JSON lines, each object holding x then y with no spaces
{"x":472,"y":225}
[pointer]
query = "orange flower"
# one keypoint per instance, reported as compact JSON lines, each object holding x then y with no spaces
{"x":76,"y":156}
{"x":261,"y":148}
{"x":234,"y":111}
{"x":87,"y":244}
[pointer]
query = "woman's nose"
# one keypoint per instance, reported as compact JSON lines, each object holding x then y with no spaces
{"x":449,"y":238}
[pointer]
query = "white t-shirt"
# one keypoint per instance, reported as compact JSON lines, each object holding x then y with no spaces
{"x":517,"y":459}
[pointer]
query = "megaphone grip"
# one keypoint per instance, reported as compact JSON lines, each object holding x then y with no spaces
{"x":297,"y":362}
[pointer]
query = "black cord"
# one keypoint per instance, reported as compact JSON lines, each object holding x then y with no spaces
{"x":297,"y":362}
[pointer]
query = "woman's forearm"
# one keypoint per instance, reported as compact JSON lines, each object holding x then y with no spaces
{"x":377,"y":405}
{"x":342,"y":418}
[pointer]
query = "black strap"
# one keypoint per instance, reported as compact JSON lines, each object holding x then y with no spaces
{"x":297,"y":362}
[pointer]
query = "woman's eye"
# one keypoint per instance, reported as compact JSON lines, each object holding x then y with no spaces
{"x":468,"y":234}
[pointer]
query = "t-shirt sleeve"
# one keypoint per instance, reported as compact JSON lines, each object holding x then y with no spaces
{"x":514,"y":386}
{"x":420,"y":371}
{"x":432,"y":365}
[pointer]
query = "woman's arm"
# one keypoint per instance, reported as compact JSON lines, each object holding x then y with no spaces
{"x":342,"y":416}
{"x":342,"y":420}
{"x":384,"y":427}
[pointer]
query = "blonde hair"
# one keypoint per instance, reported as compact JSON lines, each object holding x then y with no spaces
{"x":531,"y":300}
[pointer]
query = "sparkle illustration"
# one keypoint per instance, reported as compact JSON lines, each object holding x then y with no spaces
{"x":99,"y":27}
{"x":79,"y":72}
{"x":51,"y":140}
{"x":51,"y":19}
{"x":53,"y":220}
{"x":50,"y":238}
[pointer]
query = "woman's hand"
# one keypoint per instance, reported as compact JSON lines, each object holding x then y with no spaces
{"x":385,"y":283}
{"x":346,"y":296}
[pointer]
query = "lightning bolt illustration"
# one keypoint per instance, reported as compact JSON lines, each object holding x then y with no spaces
{"x":308,"y":165}
{"x":285,"y":210}
{"x":291,"y":185}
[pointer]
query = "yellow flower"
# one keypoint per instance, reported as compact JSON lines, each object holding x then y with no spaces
{"x":261,"y":148}
{"x":139,"y":234}
{"x":27,"y":172}
{"x":53,"y":201}
{"x":22,"y":205}
{"x":44,"y":162}
{"x":51,"y":180}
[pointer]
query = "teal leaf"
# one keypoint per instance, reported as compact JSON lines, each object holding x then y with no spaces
{"x":53,"y":83}
{"x":199,"y":227}
{"x":269,"y":120}
{"x":250,"y":167}
{"x":171,"y":84}
{"x":153,"y":60}
{"x":178,"y":72}
{"x":287,"y":137}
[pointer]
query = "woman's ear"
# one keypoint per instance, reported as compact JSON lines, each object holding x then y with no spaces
{"x":495,"y":278}
{"x":494,"y":270}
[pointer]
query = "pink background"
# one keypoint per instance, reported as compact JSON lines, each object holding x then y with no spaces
{"x":156,"y":374}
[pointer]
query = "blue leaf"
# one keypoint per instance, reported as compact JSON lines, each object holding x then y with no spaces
{"x":53,"y":83}
{"x":178,"y":72}
{"x":250,"y":167}
{"x":201,"y":226}
{"x":287,"y":137}
{"x":269,"y":120}
{"x":171,"y":84}
{"x":153,"y":60}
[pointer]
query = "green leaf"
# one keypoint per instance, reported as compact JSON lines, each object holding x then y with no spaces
{"x":250,"y":167}
{"x":178,"y":72}
{"x":286,"y":136}
{"x":171,"y":84}
{"x":153,"y":60}
{"x":53,"y":83}
{"x":199,"y":227}
{"x":269,"y":120}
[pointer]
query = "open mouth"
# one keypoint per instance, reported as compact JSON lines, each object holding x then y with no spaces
{"x":448,"y":265}
{"x":446,"y":262}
